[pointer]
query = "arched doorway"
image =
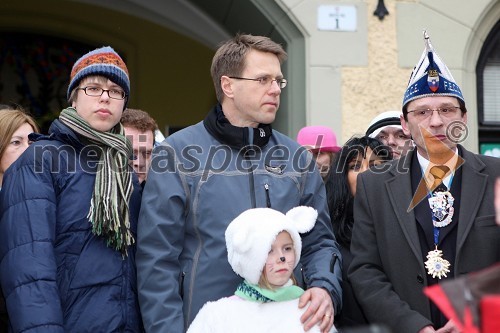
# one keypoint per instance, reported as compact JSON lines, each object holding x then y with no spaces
{"x":34,"y":72}
{"x":168,"y":46}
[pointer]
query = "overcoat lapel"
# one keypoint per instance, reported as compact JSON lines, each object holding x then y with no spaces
{"x":473,"y":181}
{"x":400,"y":193}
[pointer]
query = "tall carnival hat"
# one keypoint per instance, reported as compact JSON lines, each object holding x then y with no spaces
{"x":381,"y":121}
{"x":103,"y":61}
{"x":249,"y":237}
{"x":318,"y":137}
{"x":431,"y":77}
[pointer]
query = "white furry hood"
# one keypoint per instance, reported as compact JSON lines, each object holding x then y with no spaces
{"x":249,"y":237}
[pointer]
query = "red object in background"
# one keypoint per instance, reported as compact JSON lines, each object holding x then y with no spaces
{"x":472,"y":301}
{"x":490,"y":314}
{"x":465,"y":323}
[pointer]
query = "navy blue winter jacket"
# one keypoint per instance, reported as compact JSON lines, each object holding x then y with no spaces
{"x":56,"y":275}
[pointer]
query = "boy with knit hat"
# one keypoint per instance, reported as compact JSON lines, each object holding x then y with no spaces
{"x":69,"y":213}
{"x":263,"y":247}
{"x":425,"y":219}
{"x":386,"y":127}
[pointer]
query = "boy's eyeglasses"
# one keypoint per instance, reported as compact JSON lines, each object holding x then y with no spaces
{"x":97,"y":92}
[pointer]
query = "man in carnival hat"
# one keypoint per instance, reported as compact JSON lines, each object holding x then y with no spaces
{"x":425,"y":219}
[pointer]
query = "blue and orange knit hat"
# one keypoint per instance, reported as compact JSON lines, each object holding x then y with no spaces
{"x":431,"y":77}
{"x":103,"y":62}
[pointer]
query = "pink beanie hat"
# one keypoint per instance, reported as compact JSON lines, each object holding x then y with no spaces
{"x":318,"y":137}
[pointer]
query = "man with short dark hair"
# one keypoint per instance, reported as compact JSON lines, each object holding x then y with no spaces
{"x":204,"y":176}
{"x":430,"y":217}
{"x":140,"y":129}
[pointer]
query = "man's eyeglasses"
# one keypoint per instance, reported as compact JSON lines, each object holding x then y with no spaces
{"x":264,"y":81}
{"x":96,"y":92}
{"x":447,"y":112}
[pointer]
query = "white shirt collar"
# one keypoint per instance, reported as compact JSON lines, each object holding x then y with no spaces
{"x":426,"y":165}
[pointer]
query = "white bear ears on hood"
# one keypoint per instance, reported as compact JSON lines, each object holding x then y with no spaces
{"x":249,"y":237}
{"x":304,"y":218}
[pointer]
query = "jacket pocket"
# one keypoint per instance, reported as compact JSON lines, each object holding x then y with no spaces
{"x":299,"y":276}
{"x":485,"y":221}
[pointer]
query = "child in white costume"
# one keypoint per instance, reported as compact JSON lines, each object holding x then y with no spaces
{"x":263,"y":247}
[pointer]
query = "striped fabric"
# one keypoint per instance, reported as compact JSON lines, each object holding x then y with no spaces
{"x":109,"y":211}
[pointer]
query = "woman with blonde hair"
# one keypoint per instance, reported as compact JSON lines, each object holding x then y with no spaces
{"x":15,"y":126}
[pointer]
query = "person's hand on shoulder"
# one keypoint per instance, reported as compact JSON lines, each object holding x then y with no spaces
{"x":320,"y":310}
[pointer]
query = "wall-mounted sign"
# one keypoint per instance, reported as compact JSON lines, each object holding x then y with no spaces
{"x":337,"y":18}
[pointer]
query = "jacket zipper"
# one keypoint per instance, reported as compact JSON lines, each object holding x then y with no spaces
{"x":181,"y":284}
{"x":249,"y":139}
{"x":268,"y":198}
{"x":333,"y":261}
{"x":252,"y":187}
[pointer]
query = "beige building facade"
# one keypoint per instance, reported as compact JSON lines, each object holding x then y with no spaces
{"x":355,"y":75}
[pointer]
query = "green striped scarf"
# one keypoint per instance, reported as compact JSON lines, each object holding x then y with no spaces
{"x":109,"y":211}
{"x":252,"y":292}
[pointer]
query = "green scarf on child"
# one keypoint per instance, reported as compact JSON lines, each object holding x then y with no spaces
{"x":253,"y":292}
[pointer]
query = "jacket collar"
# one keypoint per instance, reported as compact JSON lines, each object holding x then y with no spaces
{"x":60,"y":132}
{"x":400,"y":192}
{"x":474,"y":180}
{"x":399,"y":189}
{"x":220,"y":128}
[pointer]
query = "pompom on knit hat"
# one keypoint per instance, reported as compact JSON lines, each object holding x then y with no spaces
{"x":318,"y":137}
{"x":249,"y":237}
{"x":431,"y":77}
{"x":381,"y":121}
{"x":103,"y":61}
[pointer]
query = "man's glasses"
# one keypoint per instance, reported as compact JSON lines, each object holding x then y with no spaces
{"x":446,"y":112}
{"x":96,"y":92}
{"x":264,"y":81}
